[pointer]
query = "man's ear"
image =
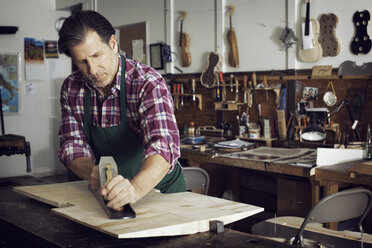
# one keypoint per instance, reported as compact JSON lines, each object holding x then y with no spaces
{"x":114,"y":43}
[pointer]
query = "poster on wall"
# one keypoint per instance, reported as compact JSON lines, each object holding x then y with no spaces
{"x":9,"y":82}
{"x":34,"y":59}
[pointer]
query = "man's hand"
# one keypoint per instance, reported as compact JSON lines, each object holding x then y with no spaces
{"x":119,"y":191}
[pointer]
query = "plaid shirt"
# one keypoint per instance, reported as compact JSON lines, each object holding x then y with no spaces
{"x":150,"y":112}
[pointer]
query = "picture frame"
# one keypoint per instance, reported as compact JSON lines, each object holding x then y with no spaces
{"x":156,"y":56}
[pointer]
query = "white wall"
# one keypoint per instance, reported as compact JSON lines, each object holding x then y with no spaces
{"x":258,"y":25}
{"x":39,"y":115}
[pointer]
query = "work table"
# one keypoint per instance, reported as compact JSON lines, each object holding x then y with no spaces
{"x":27,"y":222}
{"x":196,"y":158}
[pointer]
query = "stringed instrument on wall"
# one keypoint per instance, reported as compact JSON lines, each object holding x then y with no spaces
{"x":184,"y":43}
{"x":231,"y":37}
{"x":311,"y":50}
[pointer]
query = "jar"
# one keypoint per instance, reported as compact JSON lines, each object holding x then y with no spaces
{"x":191,"y":129}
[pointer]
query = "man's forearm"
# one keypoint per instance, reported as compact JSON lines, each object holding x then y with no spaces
{"x":153,"y":170}
{"x":82,"y":167}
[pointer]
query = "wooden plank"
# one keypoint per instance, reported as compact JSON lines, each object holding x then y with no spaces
{"x":157,"y":214}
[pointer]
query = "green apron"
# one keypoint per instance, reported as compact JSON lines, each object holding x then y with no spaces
{"x":124,"y":145}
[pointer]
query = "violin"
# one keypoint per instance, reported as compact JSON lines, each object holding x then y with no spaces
{"x":184,"y":43}
{"x":231,"y":37}
{"x":209,"y":77}
{"x":310,"y":51}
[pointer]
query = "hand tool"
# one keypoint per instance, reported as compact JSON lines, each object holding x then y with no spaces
{"x":182,"y":93}
{"x":107,"y":170}
{"x":245,"y":81}
{"x":193,"y":85}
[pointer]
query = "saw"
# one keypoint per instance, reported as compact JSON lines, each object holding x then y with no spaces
{"x":108,"y":170}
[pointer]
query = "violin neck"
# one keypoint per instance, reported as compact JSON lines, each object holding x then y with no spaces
{"x":181,"y":33}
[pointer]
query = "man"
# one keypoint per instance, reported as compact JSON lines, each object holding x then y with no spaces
{"x":311,"y":95}
{"x":113,"y":106}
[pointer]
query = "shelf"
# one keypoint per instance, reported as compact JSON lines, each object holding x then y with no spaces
{"x":198,"y":96}
{"x":227,"y":106}
{"x":309,"y":77}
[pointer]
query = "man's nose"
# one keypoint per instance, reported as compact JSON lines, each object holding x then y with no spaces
{"x":92,"y":67}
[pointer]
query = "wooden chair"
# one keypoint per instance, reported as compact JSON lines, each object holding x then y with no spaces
{"x":11,"y":144}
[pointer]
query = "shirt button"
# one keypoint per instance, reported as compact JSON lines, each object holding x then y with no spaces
{"x":106,"y":120}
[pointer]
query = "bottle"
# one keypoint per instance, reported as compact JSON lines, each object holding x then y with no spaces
{"x":191,"y":129}
{"x":367,"y":148}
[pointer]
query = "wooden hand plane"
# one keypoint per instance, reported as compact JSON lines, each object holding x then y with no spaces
{"x":108,"y":170}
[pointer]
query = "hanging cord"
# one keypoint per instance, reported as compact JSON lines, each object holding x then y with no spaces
{"x":331,"y":84}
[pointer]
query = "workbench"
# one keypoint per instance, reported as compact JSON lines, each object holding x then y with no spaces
{"x":323,"y":181}
{"x":25,"y":222}
{"x":330,"y":179}
{"x":289,"y":180}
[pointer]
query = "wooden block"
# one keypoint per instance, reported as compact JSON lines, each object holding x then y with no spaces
{"x":282,"y":128}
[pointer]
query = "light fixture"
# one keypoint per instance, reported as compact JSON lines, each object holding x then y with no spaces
{"x":314,"y":132}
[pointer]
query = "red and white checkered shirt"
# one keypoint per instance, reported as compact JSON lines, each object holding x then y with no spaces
{"x":150,"y":112}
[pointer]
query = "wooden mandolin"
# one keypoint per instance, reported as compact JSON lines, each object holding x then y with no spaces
{"x":231,"y":37}
{"x":184,"y":43}
{"x":311,"y":50}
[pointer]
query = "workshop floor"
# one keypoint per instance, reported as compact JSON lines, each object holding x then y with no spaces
{"x":6,"y":183}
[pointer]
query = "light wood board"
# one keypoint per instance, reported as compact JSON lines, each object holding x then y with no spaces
{"x":157,"y":214}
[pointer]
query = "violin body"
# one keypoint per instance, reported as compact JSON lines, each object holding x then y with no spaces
{"x":316,"y":52}
{"x":330,"y":44}
{"x":361,"y":41}
{"x":185,"y":54}
{"x":233,"y":53}
{"x":209,"y":77}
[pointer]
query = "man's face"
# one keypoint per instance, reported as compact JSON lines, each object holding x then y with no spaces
{"x":97,"y":60}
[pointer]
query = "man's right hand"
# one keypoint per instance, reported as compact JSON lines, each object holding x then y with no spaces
{"x":86,"y":169}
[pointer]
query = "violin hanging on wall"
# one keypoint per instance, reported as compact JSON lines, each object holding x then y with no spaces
{"x":231,"y":37}
{"x":311,"y":50}
{"x":184,"y":43}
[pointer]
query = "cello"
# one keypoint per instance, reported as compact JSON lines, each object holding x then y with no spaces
{"x":184,"y":43}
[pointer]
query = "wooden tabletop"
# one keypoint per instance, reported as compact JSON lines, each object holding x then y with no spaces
{"x":356,"y":172}
{"x":25,"y":222}
{"x":196,"y":158}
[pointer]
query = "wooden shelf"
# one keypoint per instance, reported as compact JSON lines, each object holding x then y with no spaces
{"x":309,"y":77}
{"x":227,"y":106}
{"x":198,"y":96}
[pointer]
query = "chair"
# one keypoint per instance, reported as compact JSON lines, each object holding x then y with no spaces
{"x":11,"y":144}
{"x":352,"y":204}
{"x":196,"y":178}
{"x":343,"y":205}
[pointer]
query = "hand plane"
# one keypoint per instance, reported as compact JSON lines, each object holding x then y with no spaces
{"x":107,"y":170}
